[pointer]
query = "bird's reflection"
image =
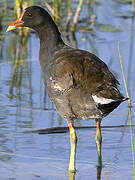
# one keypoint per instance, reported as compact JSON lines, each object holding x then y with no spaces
{"x":99,"y":173}
{"x":72,"y":175}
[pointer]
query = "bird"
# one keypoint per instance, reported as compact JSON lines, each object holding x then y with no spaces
{"x":79,"y":84}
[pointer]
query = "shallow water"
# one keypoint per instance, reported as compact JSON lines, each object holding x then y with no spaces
{"x":46,"y":156}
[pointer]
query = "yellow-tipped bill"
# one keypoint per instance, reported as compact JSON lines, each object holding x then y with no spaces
{"x":17,"y":23}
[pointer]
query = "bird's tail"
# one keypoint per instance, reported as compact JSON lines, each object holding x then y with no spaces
{"x":124,"y":99}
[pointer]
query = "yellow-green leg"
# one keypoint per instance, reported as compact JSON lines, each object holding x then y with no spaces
{"x":73,"y":143}
{"x":98,"y":140}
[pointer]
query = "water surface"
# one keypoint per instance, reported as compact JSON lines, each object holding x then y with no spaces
{"x":24,"y":105}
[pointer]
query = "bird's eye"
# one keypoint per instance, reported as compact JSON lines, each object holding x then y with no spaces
{"x":29,"y":14}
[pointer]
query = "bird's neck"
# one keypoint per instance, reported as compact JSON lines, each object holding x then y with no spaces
{"x":50,"y":43}
{"x":50,"y":39}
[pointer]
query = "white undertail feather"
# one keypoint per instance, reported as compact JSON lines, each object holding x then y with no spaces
{"x":102,"y":100}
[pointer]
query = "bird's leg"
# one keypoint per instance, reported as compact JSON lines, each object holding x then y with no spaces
{"x":73,"y":142}
{"x":98,"y":140}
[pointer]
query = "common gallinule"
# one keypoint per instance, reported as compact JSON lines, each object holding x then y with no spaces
{"x":79,"y":84}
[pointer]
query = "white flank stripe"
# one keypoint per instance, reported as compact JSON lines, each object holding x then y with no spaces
{"x":101,"y":100}
{"x":56,"y":86}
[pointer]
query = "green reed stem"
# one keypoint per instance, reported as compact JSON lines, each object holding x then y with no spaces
{"x":133,"y":5}
{"x":77,"y":13}
{"x":129,"y":102}
{"x":69,"y":15}
{"x":123,"y":74}
{"x":56,"y":7}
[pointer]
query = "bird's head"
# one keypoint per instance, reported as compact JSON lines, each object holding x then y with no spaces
{"x":31,"y":17}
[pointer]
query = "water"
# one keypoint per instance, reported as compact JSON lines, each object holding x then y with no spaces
{"x":35,"y":156}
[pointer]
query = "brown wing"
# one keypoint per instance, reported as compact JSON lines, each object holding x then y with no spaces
{"x":81,"y":69}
